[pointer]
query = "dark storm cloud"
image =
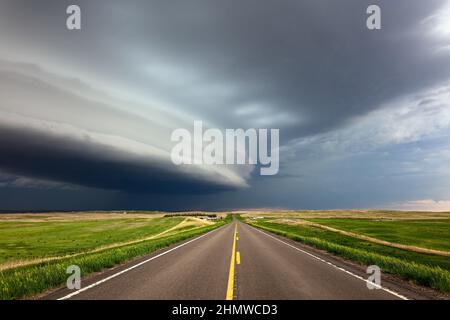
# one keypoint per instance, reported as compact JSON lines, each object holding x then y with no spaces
{"x":55,"y":129}
{"x":37,"y":155}
{"x":313,"y":62}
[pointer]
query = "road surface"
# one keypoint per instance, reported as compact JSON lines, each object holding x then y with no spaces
{"x":236,"y":261}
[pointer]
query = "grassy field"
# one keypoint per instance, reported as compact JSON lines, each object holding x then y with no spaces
{"x":24,"y":240}
{"x":428,"y":230}
{"x":432,"y":234}
{"x":347,"y":214}
{"x":36,"y":250}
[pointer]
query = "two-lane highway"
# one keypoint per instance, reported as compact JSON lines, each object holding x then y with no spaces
{"x":236,"y":261}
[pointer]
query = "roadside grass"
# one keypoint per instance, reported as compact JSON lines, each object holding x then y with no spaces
{"x":228,"y":218}
{"x":23,"y":282}
{"x":20,"y":240}
{"x":430,"y":234}
{"x":423,"y":269}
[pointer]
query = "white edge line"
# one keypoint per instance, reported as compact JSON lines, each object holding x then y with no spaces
{"x":132,"y":267}
{"x":335,"y":266}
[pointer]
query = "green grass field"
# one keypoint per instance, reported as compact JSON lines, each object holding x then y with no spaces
{"x":93,"y":242}
{"x":431,"y":234}
{"x":424,"y":269}
{"x":30,"y":240}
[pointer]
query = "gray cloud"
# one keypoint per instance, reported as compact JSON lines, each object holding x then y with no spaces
{"x":33,"y":154}
{"x":313,"y":62}
{"x":55,"y":134}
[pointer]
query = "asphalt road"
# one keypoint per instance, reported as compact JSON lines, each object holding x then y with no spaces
{"x":233,"y":262}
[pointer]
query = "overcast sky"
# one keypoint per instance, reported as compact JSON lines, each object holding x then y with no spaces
{"x":86,"y":116}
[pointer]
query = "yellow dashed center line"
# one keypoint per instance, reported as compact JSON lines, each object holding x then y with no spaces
{"x":230,"y":287}
{"x":238,"y":257}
